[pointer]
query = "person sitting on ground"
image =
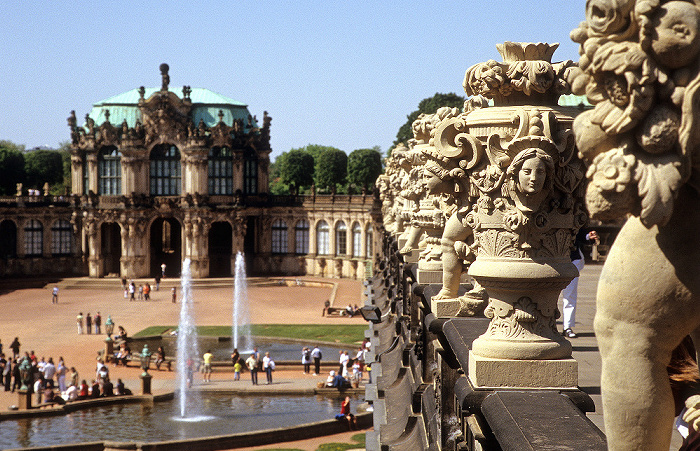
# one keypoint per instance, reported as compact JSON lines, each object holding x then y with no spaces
{"x":71,"y":393}
{"x":50,"y":397}
{"x":160,"y":357}
{"x":121,"y":333}
{"x":336,"y":381}
{"x":107,"y":388}
{"x":84,"y":391}
{"x":326,"y":306}
{"x":349,"y":311}
{"x":95,"y":389}
{"x":346,"y":415}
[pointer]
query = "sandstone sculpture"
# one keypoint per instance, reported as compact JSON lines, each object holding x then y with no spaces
{"x":521,"y":206}
{"x":639,"y":67}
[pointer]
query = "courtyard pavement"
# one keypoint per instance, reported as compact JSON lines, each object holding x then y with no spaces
{"x":50,"y":329}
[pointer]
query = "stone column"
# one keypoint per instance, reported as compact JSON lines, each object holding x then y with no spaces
{"x":93,"y":174}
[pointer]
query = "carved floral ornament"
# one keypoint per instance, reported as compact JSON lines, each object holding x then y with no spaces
{"x":640,"y":150}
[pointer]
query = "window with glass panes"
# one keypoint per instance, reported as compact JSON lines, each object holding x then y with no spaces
{"x":368,"y":239}
{"x":109,"y":170}
{"x":301,"y":237}
{"x":356,"y":240}
{"x":220,"y":171}
{"x":165,"y":170}
{"x":279,"y":237}
{"x":61,"y":238}
{"x":33,"y":238}
{"x":86,"y":177}
{"x":341,"y":238}
{"x":250,"y":174}
{"x":323,"y":238}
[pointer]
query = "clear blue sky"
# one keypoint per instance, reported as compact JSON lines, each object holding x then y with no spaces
{"x":335,"y":73}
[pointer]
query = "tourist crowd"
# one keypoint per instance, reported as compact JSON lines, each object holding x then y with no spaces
{"x":53,"y":381}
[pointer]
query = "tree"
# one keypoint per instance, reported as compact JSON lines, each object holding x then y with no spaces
{"x":297,"y":169}
{"x":331,"y":168}
{"x":43,"y":166}
{"x":364,"y":166}
{"x":11,"y":167}
{"x":427,"y":106}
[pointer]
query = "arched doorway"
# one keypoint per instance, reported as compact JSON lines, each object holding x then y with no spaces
{"x":166,"y":247}
{"x":8,"y":239}
{"x":111,"y":247}
{"x":220,"y":249}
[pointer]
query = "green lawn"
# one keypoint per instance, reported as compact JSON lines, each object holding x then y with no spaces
{"x":344,"y":334}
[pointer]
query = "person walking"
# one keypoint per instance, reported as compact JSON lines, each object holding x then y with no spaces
{"x":174,"y":291}
{"x":132,"y":290}
{"x":317,"y":355}
{"x":570,"y":293}
{"x":252,"y":364}
{"x":79,"y":321}
{"x":15,"y":348}
{"x":268,"y":367}
{"x":98,"y":323}
{"x":88,"y":323}
{"x":306,"y":359}
{"x":54,"y":295}
{"x":207,"y":358}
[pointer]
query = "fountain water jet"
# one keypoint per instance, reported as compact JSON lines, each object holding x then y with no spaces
{"x":240,"y":324}
{"x":187,"y":352}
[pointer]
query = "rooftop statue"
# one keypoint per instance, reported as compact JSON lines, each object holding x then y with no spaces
{"x":639,"y":67}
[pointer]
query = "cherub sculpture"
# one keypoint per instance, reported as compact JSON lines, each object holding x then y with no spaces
{"x":639,"y":68}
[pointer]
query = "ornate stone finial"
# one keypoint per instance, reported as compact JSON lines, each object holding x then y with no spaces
{"x":72,"y":120}
{"x":142,"y":93}
{"x":166,"y":78}
{"x":186,"y":91}
{"x":221,"y":115}
{"x":106,"y":115}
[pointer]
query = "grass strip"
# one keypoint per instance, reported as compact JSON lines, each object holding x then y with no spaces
{"x":343,"y":333}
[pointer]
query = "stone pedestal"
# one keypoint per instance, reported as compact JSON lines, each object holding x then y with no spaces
{"x":485,"y":372}
{"x":109,"y":349}
{"x":24,"y":400}
{"x":146,"y":383}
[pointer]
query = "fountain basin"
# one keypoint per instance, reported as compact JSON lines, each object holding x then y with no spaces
{"x":221,"y":414}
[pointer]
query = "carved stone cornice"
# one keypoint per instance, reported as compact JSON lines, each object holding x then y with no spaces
{"x":165,"y":118}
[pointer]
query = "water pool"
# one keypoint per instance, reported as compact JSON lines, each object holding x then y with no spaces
{"x":225,"y":414}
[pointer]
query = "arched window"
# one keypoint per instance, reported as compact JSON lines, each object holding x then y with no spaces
{"x":356,"y":240}
{"x":368,"y":239}
{"x":220,"y":171}
{"x":341,"y":238}
{"x":250,"y":173}
{"x":61,"y":238}
{"x":33,"y":238}
{"x":323,"y":238}
{"x":279,"y":237}
{"x":301,"y":237}
{"x":109,"y":169}
{"x":165,"y":170}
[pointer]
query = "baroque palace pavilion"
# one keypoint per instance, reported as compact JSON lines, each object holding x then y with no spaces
{"x":160,"y":175}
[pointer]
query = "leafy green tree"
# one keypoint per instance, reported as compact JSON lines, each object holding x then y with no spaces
{"x":428,"y":105}
{"x":11,"y":167}
{"x":331,"y":168}
{"x":364,"y":166}
{"x":297,"y":169}
{"x":65,"y":186}
{"x":277,"y":187}
{"x":43,"y":166}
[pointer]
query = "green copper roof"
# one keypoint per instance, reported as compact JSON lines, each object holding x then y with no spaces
{"x":573,"y":100}
{"x":205,"y":106}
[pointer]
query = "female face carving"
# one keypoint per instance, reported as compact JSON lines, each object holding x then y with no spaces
{"x":532,"y":175}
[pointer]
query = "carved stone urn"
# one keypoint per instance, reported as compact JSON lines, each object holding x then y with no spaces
{"x":525,"y":179}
